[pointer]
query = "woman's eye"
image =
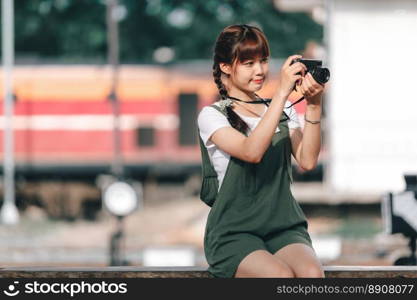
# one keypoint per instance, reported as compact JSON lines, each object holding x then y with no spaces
{"x":265,"y":60}
{"x":249,"y":63}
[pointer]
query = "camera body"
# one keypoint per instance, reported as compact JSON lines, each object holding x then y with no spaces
{"x":320,"y":74}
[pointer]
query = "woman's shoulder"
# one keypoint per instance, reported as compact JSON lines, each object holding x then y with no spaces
{"x":210,"y":109}
{"x":210,"y":106}
{"x":209,"y":114}
{"x":209,"y":120}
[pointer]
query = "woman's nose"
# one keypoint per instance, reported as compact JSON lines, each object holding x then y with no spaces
{"x":259,"y":68}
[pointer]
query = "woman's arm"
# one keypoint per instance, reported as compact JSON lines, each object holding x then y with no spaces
{"x":306,"y":144}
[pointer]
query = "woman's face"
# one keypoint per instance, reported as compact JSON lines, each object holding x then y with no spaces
{"x":250,"y":75}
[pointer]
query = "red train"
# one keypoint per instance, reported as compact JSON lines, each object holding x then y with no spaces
{"x":63,"y":122}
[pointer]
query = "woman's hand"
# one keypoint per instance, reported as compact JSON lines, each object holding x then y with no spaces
{"x":311,"y":89}
{"x":288,"y":76}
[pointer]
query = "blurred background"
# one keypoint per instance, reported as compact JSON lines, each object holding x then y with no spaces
{"x":100,"y":92}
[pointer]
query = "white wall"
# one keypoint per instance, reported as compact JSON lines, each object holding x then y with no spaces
{"x":372,"y":96}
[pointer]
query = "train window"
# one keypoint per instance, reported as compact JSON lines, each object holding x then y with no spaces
{"x":187,"y":111}
{"x":146,"y":136}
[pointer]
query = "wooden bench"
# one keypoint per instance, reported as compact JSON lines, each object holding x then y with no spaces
{"x":191,"y":272}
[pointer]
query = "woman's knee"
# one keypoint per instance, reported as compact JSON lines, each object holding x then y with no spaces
{"x":271,"y":271}
{"x":263,"y":264}
{"x":310,"y":271}
{"x":282,"y":271}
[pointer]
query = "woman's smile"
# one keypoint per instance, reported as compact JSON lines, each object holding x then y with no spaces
{"x":258,"y":81}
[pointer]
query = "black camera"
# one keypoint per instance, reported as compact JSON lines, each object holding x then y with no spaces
{"x":321,"y":75}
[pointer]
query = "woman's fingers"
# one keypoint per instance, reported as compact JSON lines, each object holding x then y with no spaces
{"x":310,"y":86}
{"x":297,"y":67}
{"x":289,"y":60}
{"x":301,"y":89}
{"x":291,"y":74}
{"x":298,"y":78}
{"x":296,"y":81}
{"x":306,"y":85}
{"x":311,"y":80}
{"x":317,"y":86}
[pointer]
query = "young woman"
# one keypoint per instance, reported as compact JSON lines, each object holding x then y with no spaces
{"x":255,"y":227}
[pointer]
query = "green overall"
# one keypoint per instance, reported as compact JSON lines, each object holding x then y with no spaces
{"x":254,"y":208}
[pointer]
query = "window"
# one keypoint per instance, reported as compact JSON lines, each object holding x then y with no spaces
{"x":187,"y":112}
{"x":146,"y":136}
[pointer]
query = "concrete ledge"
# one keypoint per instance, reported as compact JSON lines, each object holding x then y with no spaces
{"x":192,"y":272}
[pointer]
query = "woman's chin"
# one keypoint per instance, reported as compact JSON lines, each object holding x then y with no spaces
{"x":257,"y":87}
{"x":252,"y":88}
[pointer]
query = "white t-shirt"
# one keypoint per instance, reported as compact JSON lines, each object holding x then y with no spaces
{"x":210,"y":119}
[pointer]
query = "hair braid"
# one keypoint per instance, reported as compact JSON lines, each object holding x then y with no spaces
{"x":217,"y":79}
{"x":233,"y":118}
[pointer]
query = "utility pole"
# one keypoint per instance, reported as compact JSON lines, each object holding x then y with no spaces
{"x":112,"y":18}
{"x":9,"y":213}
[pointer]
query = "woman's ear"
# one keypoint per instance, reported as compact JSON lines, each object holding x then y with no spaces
{"x":225,"y":68}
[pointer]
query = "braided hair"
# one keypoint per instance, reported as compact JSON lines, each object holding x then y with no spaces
{"x":237,"y":43}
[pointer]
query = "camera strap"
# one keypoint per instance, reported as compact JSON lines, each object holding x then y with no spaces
{"x":265,"y":101}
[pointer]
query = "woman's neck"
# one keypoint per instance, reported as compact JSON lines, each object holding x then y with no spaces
{"x":244,"y":96}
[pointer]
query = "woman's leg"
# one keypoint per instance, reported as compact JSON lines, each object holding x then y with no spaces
{"x":301,"y":259}
{"x":261,"y":263}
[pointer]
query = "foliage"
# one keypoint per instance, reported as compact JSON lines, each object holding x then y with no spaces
{"x":75,"y":30}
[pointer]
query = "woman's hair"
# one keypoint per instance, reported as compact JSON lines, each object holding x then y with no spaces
{"x":237,"y":43}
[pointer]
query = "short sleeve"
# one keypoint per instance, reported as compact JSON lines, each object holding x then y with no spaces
{"x":209,"y":120}
{"x":292,"y":113}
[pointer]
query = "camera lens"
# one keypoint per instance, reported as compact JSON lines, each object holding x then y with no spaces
{"x":321,"y":75}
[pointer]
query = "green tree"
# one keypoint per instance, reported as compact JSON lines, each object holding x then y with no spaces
{"x":75,"y":30}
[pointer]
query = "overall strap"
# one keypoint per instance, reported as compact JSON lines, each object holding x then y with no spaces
{"x":219,"y":109}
